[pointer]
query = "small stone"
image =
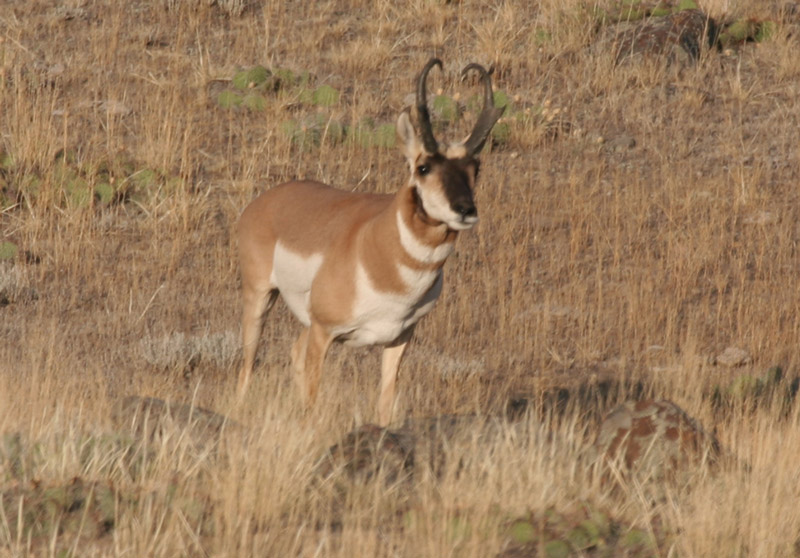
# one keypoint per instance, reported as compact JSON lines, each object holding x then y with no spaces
{"x":761,"y":218}
{"x":621,"y":143}
{"x":733,"y":356}
{"x":115,"y":108}
{"x":56,"y":69}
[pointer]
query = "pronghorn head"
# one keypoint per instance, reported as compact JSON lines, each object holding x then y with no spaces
{"x":443,"y":176}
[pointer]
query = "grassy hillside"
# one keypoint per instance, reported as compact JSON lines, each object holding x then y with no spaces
{"x":637,"y":218}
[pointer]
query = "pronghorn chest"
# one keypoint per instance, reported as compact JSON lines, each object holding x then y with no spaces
{"x":367,"y":288}
{"x":386,"y":304}
{"x":379,"y":316}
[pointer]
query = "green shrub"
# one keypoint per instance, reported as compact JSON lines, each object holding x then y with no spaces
{"x":257,"y":76}
{"x":501,"y":133}
{"x":255,"y":101}
{"x":501,"y":99}
{"x":8,"y":250}
{"x":446,"y":108}
{"x":522,"y":532}
{"x":385,"y":135}
{"x":325,"y":96}
{"x":104,"y":193}
{"x":229,"y":99}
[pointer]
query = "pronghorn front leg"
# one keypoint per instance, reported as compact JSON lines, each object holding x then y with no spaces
{"x":390,"y":362}
{"x":308,"y":354}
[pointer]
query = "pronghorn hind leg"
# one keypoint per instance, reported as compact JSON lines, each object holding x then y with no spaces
{"x":390,"y":362}
{"x":299,"y":362}
{"x":308,"y":354}
{"x":256,"y":305}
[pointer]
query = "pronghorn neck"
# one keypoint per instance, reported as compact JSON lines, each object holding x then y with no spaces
{"x":419,"y":210}
{"x":423,"y":238}
{"x":399,"y":260}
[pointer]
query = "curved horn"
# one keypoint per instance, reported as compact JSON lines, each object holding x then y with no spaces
{"x":423,"y":116}
{"x":488,"y":116}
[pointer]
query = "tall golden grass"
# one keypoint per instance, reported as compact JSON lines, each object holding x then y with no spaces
{"x":597,"y":259}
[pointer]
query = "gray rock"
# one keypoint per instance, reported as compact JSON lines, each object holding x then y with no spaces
{"x":150,"y":420}
{"x":733,"y":356}
{"x":654,"y":439}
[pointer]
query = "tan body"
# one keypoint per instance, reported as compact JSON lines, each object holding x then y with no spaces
{"x":360,"y":268}
{"x":351,"y":280}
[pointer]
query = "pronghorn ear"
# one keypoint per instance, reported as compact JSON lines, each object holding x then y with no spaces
{"x":409,"y":140}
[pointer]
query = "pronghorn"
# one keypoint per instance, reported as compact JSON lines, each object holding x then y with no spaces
{"x":355,"y":267}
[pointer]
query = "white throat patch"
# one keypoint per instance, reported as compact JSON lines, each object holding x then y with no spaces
{"x":436,"y":205}
{"x":418,"y":250}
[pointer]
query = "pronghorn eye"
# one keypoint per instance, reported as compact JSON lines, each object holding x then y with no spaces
{"x":423,"y":170}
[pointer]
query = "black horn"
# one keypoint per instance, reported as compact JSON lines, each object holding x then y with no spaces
{"x":423,"y":116}
{"x":489,"y":115}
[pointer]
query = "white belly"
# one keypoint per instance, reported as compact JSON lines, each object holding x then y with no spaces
{"x":292,"y":274}
{"x":379,"y":317}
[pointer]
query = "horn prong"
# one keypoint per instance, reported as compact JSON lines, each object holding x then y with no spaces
{"x":489,"y":115}
{"x":423,"y":116}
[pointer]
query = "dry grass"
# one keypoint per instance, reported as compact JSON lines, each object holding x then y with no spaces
{"x":595,"y":260}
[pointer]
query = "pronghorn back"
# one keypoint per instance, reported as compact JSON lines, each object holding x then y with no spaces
{"x":304,"y":215}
